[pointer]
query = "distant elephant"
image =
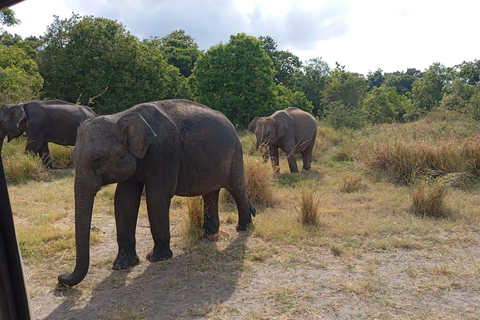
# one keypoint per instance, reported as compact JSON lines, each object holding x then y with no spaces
{"x":292,"y":130}
{"x":170,"y":147}
{"x":43,"y":121}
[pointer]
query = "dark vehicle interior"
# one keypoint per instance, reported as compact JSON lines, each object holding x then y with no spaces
{"x":14,"y":302}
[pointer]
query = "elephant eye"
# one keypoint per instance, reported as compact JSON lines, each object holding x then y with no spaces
{"x":98,"y":162}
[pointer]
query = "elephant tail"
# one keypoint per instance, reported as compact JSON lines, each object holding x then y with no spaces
{"x":253,"y":211}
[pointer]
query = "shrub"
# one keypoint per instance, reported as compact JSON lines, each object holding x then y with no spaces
{"x":351,"y":183}
{"x":309,"y":213}
{"x":428,"y":198}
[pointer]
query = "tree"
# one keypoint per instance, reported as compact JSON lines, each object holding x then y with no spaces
{"x":236,"y":78}
{"x":288,"y":98}
{"x":469,"y":72}
{"x":402,"y":81}
{"x":375,"y":79}
{"x":344,"y":87}
{"x":312,"y":82}
{"x":7,"y":18}
{"x":179,"y":49}
{"x":94,"y":61}
{"x":427,"y":90}
{"x":343,"y":96}
{"x":19,"y":76}
{"x":287,"y":65}
{"x":384,"y":105}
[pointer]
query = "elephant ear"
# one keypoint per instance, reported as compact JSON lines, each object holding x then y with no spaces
{"x":137,"y":134}
{"x":252,"y":126}
{"x":18,"y":115}
{"x":281,"y":127}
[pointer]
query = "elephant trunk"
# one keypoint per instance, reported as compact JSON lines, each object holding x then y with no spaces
{"x":83,"y":218}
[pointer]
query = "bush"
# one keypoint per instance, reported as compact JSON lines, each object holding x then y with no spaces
{"x":428,"y":198}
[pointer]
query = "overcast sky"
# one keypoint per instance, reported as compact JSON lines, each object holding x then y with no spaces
{"x":362,"y":35}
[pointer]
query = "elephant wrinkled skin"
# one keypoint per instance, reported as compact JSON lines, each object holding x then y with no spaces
{"x":170,"y":147}
{"x":292,"y":130}
{"x":43,"y":121}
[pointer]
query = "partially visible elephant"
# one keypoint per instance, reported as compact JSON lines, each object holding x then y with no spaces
{"x":292,"y":130}
{"x":170,"y":147}
{"x":43,"y":121}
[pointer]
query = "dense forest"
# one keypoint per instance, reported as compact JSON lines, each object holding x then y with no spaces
{"x":95,"y":61}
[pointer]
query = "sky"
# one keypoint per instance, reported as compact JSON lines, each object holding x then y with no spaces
{"x":362,"y":35}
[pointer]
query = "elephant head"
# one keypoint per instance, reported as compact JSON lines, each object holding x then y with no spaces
{"x":12,"y":121}
{"x":107,"y":151}
{"x":268,"y":129}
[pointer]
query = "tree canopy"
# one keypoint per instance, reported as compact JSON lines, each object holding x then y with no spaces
{"x":236,"y":78}
{"x":96,"y":62}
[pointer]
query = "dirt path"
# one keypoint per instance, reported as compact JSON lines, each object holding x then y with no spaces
{"x":223,"y":280}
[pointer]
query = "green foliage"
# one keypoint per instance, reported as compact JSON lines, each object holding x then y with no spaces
{"x":346,"y":88}
{"x":7,"y":17}
{"x":19,"y":76}
{"x":402,"y":81}
{"x":288,"y":98}
{"x":237,"y":79}
{"x":384,"y":105}
{"x":287,"y":66}
{"x":375,"y":79}
{"x":312,"y":82}
{"x":427,"y":90}
{"x":339,"y":115}
{"x":179,"y":49}
{"x":95,"y":62}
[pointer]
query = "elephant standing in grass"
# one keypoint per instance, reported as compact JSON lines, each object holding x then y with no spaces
{"x":43,"y":121}
{"x":170,"y":147}
{"x":292,"y":130}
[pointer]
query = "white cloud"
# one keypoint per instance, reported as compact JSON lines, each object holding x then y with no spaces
{"x":363,"y":35}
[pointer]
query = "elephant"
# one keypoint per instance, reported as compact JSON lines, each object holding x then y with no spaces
{"x":292,"y":130}
{"x":43,"y":121}
{"x":169,"y":147}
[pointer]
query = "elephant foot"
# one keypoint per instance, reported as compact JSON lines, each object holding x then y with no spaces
{"x":158,"y":255}
{"x":209,"y":229}
{"x":124,"y":261}
{"x":244,"y":226}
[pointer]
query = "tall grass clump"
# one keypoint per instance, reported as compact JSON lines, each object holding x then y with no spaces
{"x":194,"y":221}
{"x":258,"y":180}
{"x":428,"y":198}
{"x":18,"y":165}
{"x":309,"y":206}
{"x":61,"y":156}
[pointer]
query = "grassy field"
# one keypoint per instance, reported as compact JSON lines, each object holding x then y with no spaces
{"x":386,"y":225}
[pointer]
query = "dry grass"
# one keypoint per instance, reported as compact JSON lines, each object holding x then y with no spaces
{"x":428,"y":198}
{"x":309,"y":206}
{"x":194,"y":220}
{"x":369,"y":256}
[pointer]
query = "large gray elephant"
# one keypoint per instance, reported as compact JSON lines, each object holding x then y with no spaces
{"x":43,"y":121}
{"x":292,"y":130}
{"x":170,"y":147}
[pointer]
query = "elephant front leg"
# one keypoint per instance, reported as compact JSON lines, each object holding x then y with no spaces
{"x":292,"y":160}
{"x":274,"y":158}
{"x":211,"y":221}
{"x":127,"y":203}
{"x":158,"y":206}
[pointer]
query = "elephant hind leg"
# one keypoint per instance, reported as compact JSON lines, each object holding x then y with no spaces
{"x":211,"y":221}
{"x":244,"y":206}
{"x":307,"y":159}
